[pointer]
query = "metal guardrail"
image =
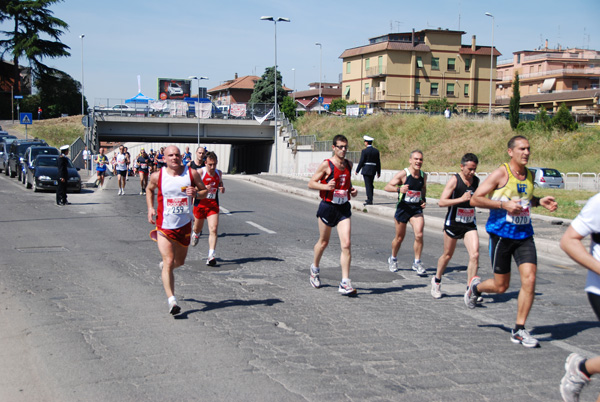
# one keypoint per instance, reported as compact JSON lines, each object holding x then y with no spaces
{"x":305,"y":139}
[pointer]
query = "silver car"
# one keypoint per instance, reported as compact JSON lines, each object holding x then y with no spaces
{"x":547,"y":178}
{"x":3,"y":156}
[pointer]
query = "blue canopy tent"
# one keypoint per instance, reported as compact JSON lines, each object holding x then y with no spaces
{"x":140,"y":98}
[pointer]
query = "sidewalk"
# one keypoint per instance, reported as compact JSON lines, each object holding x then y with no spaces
{"x":548,"y":230}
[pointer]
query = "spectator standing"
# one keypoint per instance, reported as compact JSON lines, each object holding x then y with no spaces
{"x":63,"y":176}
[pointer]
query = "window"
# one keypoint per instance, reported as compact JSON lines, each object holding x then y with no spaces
{"x":466,"y":90}
{"x":418,"y":88}
{"x":419,"y":62}
{"x":467,"y":64}
{"x":367,"y":64}
{"x":434,"y":88}
{"x":449,"y":89}
{"x":347,"y":92}
{"x":575,"y":85}
{"x":518,"y":59}
{"x":451,"y":64}
{"x":348,"y":68}
{"x":367,"y":88}
{"x":380,"y":65}
{"x":435,"y":63}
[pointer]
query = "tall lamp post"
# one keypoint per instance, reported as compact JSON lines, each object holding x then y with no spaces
{"x":196,"y":109}
{"x":320,"y":74}
{"x":491,"y":64}
{"x":82,"y":86}
{"x":275,"y":21}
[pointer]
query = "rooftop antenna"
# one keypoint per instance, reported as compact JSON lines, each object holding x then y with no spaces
{"x":398,"y":25}
{"x":459,"y":15}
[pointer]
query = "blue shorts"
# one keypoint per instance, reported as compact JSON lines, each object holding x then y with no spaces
{"x":406,"y":211}
{"x":332,"y":214}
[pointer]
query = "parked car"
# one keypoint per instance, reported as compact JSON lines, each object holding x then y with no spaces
{"x":15,"y":155}
{"x":3,"y":156}
{"x":547,"y":178}
{"x":44,"y":174}
{"x":30,"y":156}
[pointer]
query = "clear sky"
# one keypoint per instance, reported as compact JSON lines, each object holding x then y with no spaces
{"x":216,"y":39}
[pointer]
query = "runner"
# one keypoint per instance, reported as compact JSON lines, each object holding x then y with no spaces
{"x":101,"y":166}
{"x":578,"y":368}
{"x":121,"y":163}
{"x":173,"y":218}
{"x":143,"y":166}
{"x":511,"y":234}
{"x":208,"y":208}
{"x":460,"y":220}
{"x":332,"y":178}
{"x":411,"y":186}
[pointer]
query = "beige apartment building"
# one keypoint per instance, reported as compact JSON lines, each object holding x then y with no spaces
{"x":405,"y":70}
{"x":550,"y":77}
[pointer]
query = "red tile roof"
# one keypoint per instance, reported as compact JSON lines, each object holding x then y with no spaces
{"x":377,"y":47}
{"x":245,"y":82}
{"x":479,"y":50}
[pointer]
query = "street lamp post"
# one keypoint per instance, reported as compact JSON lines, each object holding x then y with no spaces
{"x":294,"y":92}
{"x":320,"y":74}
{"x":275,"y":21}
{"x":82,"y":86}
{"x":491,"y":64}
{"x":193,"y":77}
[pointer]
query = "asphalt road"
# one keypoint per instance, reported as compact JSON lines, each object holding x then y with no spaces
{"x":84,"y":317}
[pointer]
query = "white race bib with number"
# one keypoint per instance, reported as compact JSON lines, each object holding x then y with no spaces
{"x":340,"y":196}
{"x":177,"y":206}
{"x":465,"y":215}
{"x":212,"y":193}
{"x":413,"y":197}
{"x":523,"y":218}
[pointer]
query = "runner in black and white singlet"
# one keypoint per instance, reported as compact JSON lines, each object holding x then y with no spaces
{"x":411,"y":186}
{"x":460,"y":220}
{"x":332,"y":178}
{"x":176,"y":186}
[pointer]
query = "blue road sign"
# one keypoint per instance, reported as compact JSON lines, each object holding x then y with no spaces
{"x":321,"y":100}
{"x":25,"y":118}
{"x":18,"y":96}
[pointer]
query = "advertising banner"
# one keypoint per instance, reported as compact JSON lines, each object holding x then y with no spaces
{"x":172,"y":88}
{"x":237,"y":109}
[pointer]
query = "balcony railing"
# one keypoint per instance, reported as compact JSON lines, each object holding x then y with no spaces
{"x":562,"y":71}
{"x":377,"y":70}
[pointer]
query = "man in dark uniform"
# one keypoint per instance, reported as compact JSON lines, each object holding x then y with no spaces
{"x":370,"y":165}
{"x":63,"y":176}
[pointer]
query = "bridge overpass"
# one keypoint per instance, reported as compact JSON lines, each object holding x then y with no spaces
{"x":252,"y":142}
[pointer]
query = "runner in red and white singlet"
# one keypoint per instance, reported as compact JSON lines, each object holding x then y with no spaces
{"x":177,"y":186}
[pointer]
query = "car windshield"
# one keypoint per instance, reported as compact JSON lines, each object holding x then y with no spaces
{"x":51,"y":161}
{"x":22,"y":148}
{"x":551,"y":173}
{"x":43,"y":151}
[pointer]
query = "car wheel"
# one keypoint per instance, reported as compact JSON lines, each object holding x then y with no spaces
{"x":535,"y":185}
{"x":10,"y":172}
{"x":6,"y":171}
{"x":34,"y":186}
{"x":27,"y":183}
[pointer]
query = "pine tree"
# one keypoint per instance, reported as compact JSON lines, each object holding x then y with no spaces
{"x":514,"y":106}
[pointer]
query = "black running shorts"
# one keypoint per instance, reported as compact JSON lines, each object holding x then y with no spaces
{"x":458,"y":232}
{"x":332,"y":214}
{"x":405,"y":211}
{"x":502,"y":249}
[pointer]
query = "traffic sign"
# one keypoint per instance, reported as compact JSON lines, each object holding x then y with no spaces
{"x":321,"y":100}
{"x":25,"y":118}
{"x":18,"y":96}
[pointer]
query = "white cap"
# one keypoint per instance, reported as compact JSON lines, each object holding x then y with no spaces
{"x":64,"y":147}
{"x":367,"y":138}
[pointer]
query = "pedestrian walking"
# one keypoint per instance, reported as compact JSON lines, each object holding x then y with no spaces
{"x":370,"y":164}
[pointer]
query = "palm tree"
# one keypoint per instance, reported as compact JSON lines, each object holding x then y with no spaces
{"x":32,"y":22}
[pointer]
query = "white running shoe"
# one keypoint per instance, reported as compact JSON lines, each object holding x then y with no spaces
{"x":436,"y":289}
{"x":315,"y":280}
{"x":470,"y":297}
{"x":174,"y":309}
{"x":523,"y":337}
{"x":393,"y":264}
{"x":346,"y":289}
{"x":418,"y":267}
{"x":574,"y":380}
{"x":195,"y":238}
{"x":212,"y":261}
{"x":160,"y":265}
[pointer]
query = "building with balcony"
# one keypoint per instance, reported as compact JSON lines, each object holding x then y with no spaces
{"x":406,"y":70}
{"x":308,"y":101}
{"x":549,"y":77}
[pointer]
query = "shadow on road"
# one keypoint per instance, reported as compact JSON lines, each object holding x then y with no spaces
{"x":227,"y":303}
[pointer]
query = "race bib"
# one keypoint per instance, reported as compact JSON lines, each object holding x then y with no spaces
{"x":465,"y":215}
{"x":340,"y":196}
{"x":144,"y":166}
{"x":523,"y":218}
{"x":412,"y":196}
{"x":212,"y":193}
{"x":177,"y":206}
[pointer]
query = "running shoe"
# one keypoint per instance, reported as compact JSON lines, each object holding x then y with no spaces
{"x":436,"y":289}
{"x":418,"y":267}
{"x":160,"y":265}
{"x":470,"y":296}
{"x":315,"y":280}
{"x":393,"y":264}
{"x":212,"y":261}
{"x":479,"y":299}
{"x":174,"y":309}
{"x":574,"y":380}
{"x":195,"y":238}
{"x":346,"y":289}
{"x":141,"y":193}
{"x":523,"y":337}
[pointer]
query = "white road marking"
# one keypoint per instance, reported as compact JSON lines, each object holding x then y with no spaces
{"x":256,"y":225}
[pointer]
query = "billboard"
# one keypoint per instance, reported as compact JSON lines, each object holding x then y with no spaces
{"x":173,"y":88}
